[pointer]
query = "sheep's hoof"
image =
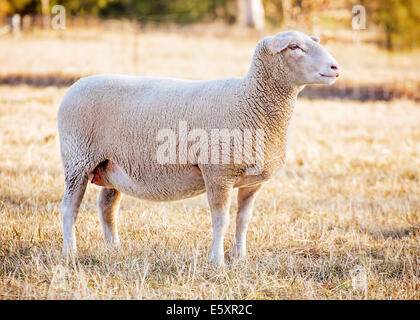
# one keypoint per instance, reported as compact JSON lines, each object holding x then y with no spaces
{"x":238,"y":253}
{"x":114,"y":244}
{"x":69,"y":253}
{"x":238,"y":256}
{"x":216,"y":262}
{"x":69,"y":248}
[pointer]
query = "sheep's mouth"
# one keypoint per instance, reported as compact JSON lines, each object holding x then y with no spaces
{"x":327,"y":76}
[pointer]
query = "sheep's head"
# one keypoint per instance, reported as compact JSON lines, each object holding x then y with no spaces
{"x":300,"y":58}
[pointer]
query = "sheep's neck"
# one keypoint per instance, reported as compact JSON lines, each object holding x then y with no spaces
{"x":268,"y":104}
{"x":270,"y":101}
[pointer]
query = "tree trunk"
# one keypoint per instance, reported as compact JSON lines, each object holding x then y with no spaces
{"x":251,"y":14}
{"x":45,"y":10}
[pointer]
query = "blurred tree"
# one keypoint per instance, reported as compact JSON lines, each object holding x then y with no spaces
{"x":13,"y":6}
{"x":293,"y":12}
{"x":400,"y":21}
{"x":180,"y":11}
{"x":275,"y":11}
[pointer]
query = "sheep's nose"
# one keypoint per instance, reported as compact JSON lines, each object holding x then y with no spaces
{"x":334,"y":67}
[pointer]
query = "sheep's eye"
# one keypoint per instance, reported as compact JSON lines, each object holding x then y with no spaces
{"x":294,"y":46}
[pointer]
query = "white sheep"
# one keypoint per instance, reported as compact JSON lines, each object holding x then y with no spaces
{"x":111,"y":129}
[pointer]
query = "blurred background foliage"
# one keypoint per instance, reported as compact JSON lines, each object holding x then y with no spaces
{"x":397,"y":20}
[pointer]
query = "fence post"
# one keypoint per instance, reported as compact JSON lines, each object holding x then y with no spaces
{"x":15,"y":24}
{"x":135,"y":48}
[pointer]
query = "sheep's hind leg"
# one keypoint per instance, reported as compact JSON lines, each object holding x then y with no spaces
{"x":218,"y":195}
{"x":75,"y":189}
{"x":108,"y":204}
{"x":246,"y":198}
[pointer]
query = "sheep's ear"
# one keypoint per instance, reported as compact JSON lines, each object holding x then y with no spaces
{"x":315,"y":38}
{"x":276,"y":45}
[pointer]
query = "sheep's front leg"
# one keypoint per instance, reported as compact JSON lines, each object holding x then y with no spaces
{"x":218,"y":195}
{"x":246,"y":198}
{"x":108,"y":204}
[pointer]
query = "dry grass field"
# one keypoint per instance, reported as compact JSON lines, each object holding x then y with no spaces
{"x":341,"y":221}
